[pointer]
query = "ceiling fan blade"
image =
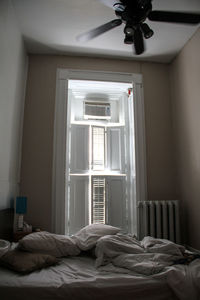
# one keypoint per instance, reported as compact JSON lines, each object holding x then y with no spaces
{"x":109,"y":3}
{"x":84,"y":37}
{"x":174,"y":17}
{"x":138,"y":41}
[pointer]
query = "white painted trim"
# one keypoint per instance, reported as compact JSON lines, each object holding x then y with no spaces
{"x":67,"y":74}
{"x":59,"y":179}
{"x":140,"y":142}
{"x":140,"y":151}
{"x":59,"y":158}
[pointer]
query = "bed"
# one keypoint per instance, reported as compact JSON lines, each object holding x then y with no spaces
{"x":84,"y":277}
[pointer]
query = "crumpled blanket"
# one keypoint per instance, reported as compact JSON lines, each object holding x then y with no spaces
{"x":147,"y":257}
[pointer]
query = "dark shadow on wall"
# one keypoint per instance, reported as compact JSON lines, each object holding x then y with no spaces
{"x":6,"y":224}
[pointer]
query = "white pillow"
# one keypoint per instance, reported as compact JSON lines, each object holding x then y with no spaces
{"x":49,"y":243}
{"x":88,"y":236}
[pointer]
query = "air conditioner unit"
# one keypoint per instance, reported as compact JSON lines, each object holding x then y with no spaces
{"x":97,"y":110}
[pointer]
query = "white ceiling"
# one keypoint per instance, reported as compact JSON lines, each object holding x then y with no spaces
{"x":51,"y":27}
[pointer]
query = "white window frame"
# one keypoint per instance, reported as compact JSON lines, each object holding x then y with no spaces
{"x":59,"y":176}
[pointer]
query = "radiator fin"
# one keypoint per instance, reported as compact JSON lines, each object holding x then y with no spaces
{"x":159,"y":219}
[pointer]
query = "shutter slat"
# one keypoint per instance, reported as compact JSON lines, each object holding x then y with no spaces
{"x":98,"y":200}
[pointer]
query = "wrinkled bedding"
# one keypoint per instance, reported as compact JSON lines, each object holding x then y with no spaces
{"x":77,"y":278}
{"x":124,"y":268}
{"x":150,"y":257}
{"x":147,"y":257}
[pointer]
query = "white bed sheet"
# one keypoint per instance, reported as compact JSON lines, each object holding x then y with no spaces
{"x":77,"y":278}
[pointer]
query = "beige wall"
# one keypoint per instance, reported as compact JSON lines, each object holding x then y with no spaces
{"x":185,"y":82}
{"x":36,"y":175}
{"x":13,"y":71}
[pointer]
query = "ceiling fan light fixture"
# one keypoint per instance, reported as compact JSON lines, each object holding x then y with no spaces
{"x":129,"y":30}
{"x":128,"y":40}
{"x":147,"y":31}
{"x":119,"y":7}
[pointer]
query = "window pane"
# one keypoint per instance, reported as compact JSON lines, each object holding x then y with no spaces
{"x":98,"y":200}
{"x":98,"y":148}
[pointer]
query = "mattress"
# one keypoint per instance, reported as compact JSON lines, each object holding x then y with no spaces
{"x":123,"y":268}
{"x":77,"y":278}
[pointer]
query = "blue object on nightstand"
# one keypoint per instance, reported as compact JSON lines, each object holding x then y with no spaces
{"x":21,"y":205}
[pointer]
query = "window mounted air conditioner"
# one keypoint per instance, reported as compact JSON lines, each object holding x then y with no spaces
{"x":97,"y":110}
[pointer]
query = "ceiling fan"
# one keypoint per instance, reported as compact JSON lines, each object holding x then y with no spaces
{"x":133,"y":13}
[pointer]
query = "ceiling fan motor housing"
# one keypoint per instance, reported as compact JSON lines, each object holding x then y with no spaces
{"x":133,"y":12}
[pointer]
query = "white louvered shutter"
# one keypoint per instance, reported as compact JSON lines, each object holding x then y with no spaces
{"x":79,"y":148}
{"x":78,"y":206}
{"x":98,"y":200}
{"x":117,"y":210}
{"x":115,"y":149}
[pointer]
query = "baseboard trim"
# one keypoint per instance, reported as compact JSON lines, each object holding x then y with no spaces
{"x":192,"y":249}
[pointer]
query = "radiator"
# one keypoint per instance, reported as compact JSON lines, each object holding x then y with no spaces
{"x":159,"y":219}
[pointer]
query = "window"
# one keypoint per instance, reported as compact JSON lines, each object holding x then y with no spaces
{"x":98,"y":148}
{"x":99,"y":181}
{"x":98,"y":200}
